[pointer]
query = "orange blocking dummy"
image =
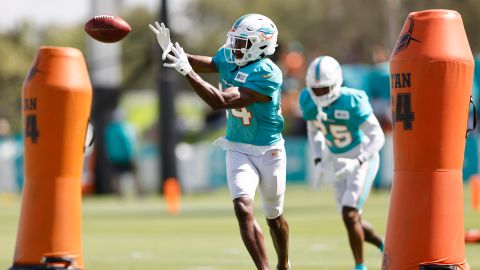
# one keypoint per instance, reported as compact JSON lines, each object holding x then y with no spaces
{"x":56,"y":101}
{"x":431,"y":72}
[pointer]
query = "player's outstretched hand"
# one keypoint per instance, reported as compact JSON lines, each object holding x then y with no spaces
{"x":344,"y":167}
{"x":179,"y":60}
{"x":163,"y":38}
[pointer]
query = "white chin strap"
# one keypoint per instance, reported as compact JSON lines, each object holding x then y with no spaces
{"x":323,"y":101}
{"x":321,"y":115}
{"x":240,"y":62}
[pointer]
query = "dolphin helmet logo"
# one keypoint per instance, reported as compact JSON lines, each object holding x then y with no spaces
{"x":405,"y":38}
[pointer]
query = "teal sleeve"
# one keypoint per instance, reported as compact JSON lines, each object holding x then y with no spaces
{"x":308,"y":107}
{"x":265,"y":79}
{"x":219,"y":60}
{"x":363,"y":109}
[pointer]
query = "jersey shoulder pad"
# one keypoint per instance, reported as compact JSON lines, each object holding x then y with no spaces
{"x":354,"y":95}
{"x":263,"y":76}
{"x":307,"y":105}
{"x":358,"y":102}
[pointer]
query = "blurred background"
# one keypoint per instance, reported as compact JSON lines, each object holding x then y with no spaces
{"x":132,"y":91}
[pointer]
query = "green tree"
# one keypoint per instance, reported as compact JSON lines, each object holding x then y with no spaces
{"x":17,"y":56}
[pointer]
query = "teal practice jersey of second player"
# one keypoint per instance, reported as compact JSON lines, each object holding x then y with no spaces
{"x":345,"y":115}
{"x":260,"y":123}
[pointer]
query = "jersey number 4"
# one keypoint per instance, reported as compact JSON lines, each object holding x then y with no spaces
{"x":244,"y":114}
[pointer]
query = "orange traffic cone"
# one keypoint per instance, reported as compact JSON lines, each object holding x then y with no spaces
{"x":472,"y":236}
{"x":431,"y":71}
{"x":56,"y":101}
{"x":475,"y":191}
{"x":172,"y":194}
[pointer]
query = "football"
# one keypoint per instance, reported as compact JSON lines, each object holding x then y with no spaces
{"x":107,"y":28}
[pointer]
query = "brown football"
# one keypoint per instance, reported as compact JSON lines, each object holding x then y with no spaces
{"x":107,"y":28}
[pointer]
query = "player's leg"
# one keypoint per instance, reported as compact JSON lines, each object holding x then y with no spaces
{"x":352,"y":221}
{"x":250,"y":231}
{"x":136,"y":179}
{"x":279,"y":231}
{"x":355,"y":191}
{"x":242,"y":181}
{"x":371,"y":236}
{"x":272,"y":169}
{"x":117,"y":172}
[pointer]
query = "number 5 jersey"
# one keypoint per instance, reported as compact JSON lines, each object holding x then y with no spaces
{"x":341,"y":120}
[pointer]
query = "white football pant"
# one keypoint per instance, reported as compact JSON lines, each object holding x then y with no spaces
{"x":354,"y":190}
{"x":268,"y":171}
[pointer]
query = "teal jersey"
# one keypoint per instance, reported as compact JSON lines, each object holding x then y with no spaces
{"x":259,"y":123}
{"x":379,"y":80}
{"x":344,"y":116}
{"x":476,"y":80}
{"x":119,"y":142}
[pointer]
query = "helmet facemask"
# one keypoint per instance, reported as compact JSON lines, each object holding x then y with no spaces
{"x":238,"y":50}
{"x":325,"y":100}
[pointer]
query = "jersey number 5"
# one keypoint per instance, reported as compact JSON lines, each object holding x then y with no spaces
{"x":341,"y":135}
{"x":244,"y":114}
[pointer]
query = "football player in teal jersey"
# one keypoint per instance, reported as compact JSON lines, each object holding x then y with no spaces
{"x":345,"y":138}
{"x":250,"y":93}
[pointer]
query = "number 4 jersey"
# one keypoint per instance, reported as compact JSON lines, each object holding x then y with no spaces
{"x":260,"y":123}
{"x":341,"y":127}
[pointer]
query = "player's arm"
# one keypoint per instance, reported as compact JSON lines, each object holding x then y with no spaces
{"x":316,"y":141}
{"x":230,"y":98}
{"x":372,"y":129}
{"x":202,"y":64}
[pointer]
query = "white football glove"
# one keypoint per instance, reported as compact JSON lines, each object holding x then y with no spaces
{"x":163,"y":38}
{"x":345,"y":167}
{"x":179,"y":61}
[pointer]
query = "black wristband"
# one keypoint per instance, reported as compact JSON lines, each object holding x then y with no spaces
{"x":360,"y":161}
{"x":317,"y":160}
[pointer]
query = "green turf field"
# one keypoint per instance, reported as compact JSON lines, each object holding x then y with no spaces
{"x":129,"y":234}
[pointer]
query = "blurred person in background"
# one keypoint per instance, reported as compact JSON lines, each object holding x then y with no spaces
{"x":250,"y":92}
{"x":379,"y":80}
{"x":293,"y":63}
{"x":8,"y":151}
{"x":476,"y":81}
{"x":380,"y":87}
{"x":120,"y":146}
{"x":345,"y":137}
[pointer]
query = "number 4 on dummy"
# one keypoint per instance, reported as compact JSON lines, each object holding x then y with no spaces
{"x":402,"y":110}
{"x":31,"y":129}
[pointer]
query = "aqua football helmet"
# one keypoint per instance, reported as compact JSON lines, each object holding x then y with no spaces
{"x":324,"y":79}
{"x":252,"y":37}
